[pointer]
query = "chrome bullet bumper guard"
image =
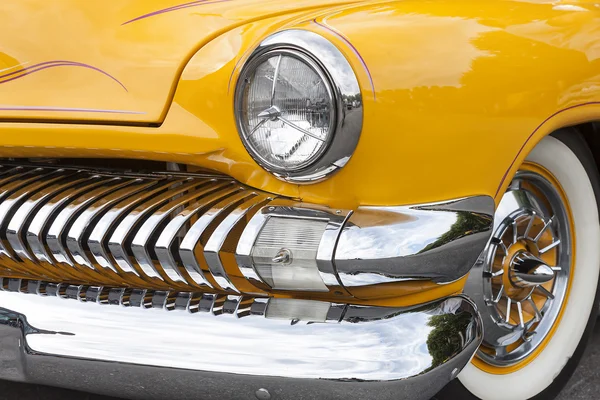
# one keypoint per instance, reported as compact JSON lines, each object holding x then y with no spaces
{"x":154,"y":345}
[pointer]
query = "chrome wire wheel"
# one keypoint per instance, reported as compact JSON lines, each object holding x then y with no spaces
{"x":525,"y":270}
{"x":536,"y":284}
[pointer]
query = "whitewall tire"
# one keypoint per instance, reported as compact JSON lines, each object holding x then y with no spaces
{"x":518,"y":372}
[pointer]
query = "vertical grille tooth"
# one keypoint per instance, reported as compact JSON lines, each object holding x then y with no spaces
{"x":13,"y":200}
{"x":217,"y":239}
{"x":192,"y":302}
{"x":54,"y":237}
{"x":159,"y":299}
{"x":244,"y":307}
{"x":117,"y":243}
{"x":231,"y":304}
{"x":75,"y":239}
{"x":167,"y":238}
{"x":140,"y":243}
{"x":93,"y":294}
{"x":137,"y":297}
{"x":12,"y":194}
{"x":16,"y":226}
{"x":115,"y":296}
{"x":191,"y":248}
{"x":99,"y":230}
{"x":42,"y":218}
{"x":218,"y":304}
{"x":99,"y":235}
{"x":182,"y":301}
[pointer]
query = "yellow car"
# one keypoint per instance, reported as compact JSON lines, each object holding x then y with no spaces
{"x":328,"y":199}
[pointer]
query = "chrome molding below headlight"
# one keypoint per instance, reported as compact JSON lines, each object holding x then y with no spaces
{"x":123,"y":342}
{"x":190,"y":232}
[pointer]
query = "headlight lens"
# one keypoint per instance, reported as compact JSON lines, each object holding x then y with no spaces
{"x":298,"y":106}
{"x":287,"y":110}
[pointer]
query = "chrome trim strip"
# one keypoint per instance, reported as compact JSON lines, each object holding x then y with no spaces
{"x":232,"y":342}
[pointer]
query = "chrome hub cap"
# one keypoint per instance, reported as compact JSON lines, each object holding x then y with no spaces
{"x":521,"y":279}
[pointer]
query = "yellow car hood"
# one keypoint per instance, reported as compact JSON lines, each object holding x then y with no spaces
{"x":111,"y":61}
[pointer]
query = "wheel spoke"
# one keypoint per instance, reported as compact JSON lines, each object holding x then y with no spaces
{"x":550,"y":246}
{"x":546,"y":225}
{"x":503,"y":247}
{"x":545,"y":292}
{"x":499,"y":296}
{"x":520,"y":309}
{"x":556,"y":268}
{"x":515,"y":231}
{"x":529,"y":225}
{"x":536,"y":310}
{"x":508,"y":304}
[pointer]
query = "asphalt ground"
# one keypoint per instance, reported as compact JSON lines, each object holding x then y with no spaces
{"x":584,"y":385}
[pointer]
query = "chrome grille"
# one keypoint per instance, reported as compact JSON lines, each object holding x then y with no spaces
{"x":192,"y":302}
{"x":157,"y":231}
{"x":294,"y":310}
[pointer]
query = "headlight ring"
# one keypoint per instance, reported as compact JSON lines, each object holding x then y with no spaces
{"x":298,"y":106}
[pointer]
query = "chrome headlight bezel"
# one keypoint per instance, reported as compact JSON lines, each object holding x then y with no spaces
{"x":332,"y":66}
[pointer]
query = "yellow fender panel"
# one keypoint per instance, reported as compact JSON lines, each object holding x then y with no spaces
{"x":455,"y":95}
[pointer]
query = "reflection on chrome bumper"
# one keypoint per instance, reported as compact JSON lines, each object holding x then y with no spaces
{"x":190,"y":346}
{"x":438,"y":242}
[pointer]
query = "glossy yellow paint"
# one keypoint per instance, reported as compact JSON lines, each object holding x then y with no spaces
{"x":121,"y":59}
{"x":549,"y":258}
{"x":455,"y":92}
{"x":461,"y":88}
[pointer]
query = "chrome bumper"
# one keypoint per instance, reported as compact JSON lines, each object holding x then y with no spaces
{"x":155,"y":345}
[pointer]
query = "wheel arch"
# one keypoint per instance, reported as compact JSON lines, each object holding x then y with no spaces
{"x":583,"y":119}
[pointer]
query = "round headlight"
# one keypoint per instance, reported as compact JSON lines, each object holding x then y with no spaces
{"x":287,"y":111}
{"x":292,"y":100}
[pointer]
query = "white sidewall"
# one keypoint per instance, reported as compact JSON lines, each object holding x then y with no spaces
{"x":532,"y":379}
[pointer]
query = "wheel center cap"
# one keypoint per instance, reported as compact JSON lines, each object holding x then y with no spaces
{"x":523,"y":271}
{"x":527,"y":271}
